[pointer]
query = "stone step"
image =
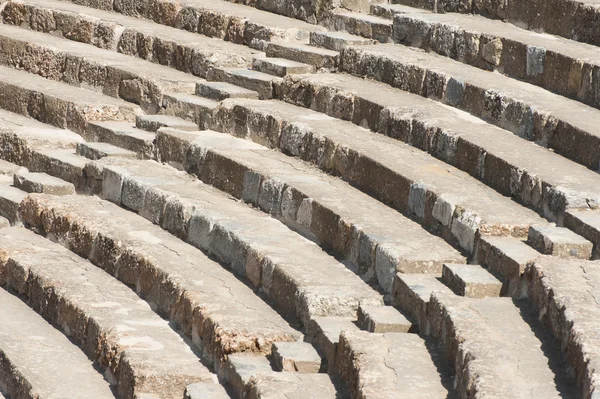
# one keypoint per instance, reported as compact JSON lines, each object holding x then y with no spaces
{"x":382,"y":319}
{"x":493,"y":349}
{"x":377,"y":239}
{"x":319,"y":58}
{"x":586,"y":223}
{"x":201,"y":390}
{"x":392,"y":365}
{"x":124,"y":135}
{"x":572,"y":19}
{"x":262,"y":83}
{"x":185,"y":51}
{"x":4,"y":222}
{"x":507,"y":258}
{"x":135,"y":348}
{"x":280,"y":66}
{"x":151,"y":123}
{"x":325,"y":332}
{"x":536,"y":58}
{"x":219,"y":313}
{"x":566,"y":294}
{"x":190,"y":107}
{"x":535,"y":176}
{"x":219,"y":91}
{"x":103,"y":71}
{"x":299,"y":357}
{"x":32,"y":182}
{"x":439,"y":196}
{"x":10,"y":199}
{"x":219,"y":19}
{"x":337,"y":41}
{"x":566,"y":126}
{"x":411,"y":294}
{"x":253,"y":245}
{"x":63,"y":164}
{"x":39,"y":361}
{"x":559,"y":241}
{"x":472,"y":281}
{"x":59,"y":104}
{"x":257,"y":380}
{"x":359,"y":24}
{"x":97,"y":150}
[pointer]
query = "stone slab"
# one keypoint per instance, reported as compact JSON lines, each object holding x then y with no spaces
{"x":559,"y":241}
{"x":300,"y":357}
{"x":32,"y":182}
{"x":382,"y":319}
{"x":472,"y":281}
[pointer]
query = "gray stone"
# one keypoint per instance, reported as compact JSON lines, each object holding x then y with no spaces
{"x":220,"y":90}
{"x":42,"y":183}
{"x":296,"y":356}
{"x":202,"y":390}
{"x":559,"y":241}
{"x":382,"y":319}
{"x":472,"y":281}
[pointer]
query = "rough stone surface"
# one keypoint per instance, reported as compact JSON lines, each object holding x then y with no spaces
{"x":42,"y":183}
{"x":472,"y":281}
{"x":296,"y":356}
{"x":559,"y":241}
{"x":382,"y":319}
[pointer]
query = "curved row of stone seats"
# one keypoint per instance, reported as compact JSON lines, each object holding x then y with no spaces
{"x":38,"y":361}
{"x":565,"y":292}
{"x":211,"y":306}
{"x":375,"y":238}
{"x":539,"y":178}
{"x":411,"y":181}
{"x":252,"y":244}
{"x":573,"y":19}
{"x":154,"y":42}
{"x":136,"y":349}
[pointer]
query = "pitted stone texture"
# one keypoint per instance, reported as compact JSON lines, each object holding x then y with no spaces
{"x":364,"y":25}
{"x":356,"y":154}
{"x":252,"y":245}
{"x":37,"y":360}
{"x":391,"y":365}
{"x":264,"y":84}
{"x":382,"y":319}
{"x":311,"y":201}
{"x":219,"y":91}
{"x":493,"y":349}
{"x":42,"y":183}
{"x":219,"y":313}
{"x":411,"y":295}
{"x":506,"y":257}
{"x":151,"y":123}
{"x":559,"y":241}
{"x":565,"y":291}
{"x":472,"y":281}
{"x":131,"y":344}
{"x":124,"y":135}
{"x":325,"y":331}
{"x":190,"y":107}
{"x":296,"y":356}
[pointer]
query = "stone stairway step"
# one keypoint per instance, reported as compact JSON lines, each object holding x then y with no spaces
{"x":571,"y":19}
{"x":410,"y":180}
{"x":57,"y":103}
{"x":359,"y":24}
{"x":262,"y":83}
{"x":133,"y":346}
{"x":124,"y":135}
{"x":535,"y":176}
{"x":325,"y":332}
{"x":8,"y":169}
{"x":39,"y":361}
{"x":382,"y":319}
{"x":472,"y":281}
{"x":337,"y":41}
{"x":559,"y":241}
{"x":299,"y":357}
{"x":189,"y":107}
{"x":97,"y":150}
{"x":252,"y":244}
{"x":388,"y":365}
{"x":319,"y":58}
{"x":63,"y":164}
{"x":388,"y":11}
{"x":280,"y":66}
{"x":4,"y":222}
{"x":219,"y":91}
{"x":201,"y":390}
{"x":220,"y":19}
{"x":553,"y":121}
{"x":151,"y":123}
{"x":296,"y":385}
{"x":540,"y":59}
{"x":218,"y":312}
{"x":565,"y":293}
{"x":10,"y":199}
{"x":31,"y":182}
{"x":506,"y":257}
{"x":586,"y":223}
{"x":375,"y":238}
{"x":108,"y":72}
{"x":245,"y":368}
{"x":141,"y":38}
{"x":411,"y":294}
{"x":494,"y":350}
